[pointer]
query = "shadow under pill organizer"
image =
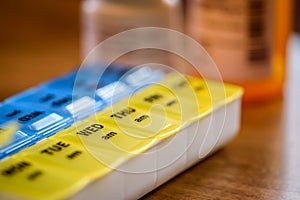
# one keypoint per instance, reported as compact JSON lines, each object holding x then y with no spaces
{"x":114,"y":138}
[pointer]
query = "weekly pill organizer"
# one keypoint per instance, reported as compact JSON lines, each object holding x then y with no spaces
{"x":118,"y":137}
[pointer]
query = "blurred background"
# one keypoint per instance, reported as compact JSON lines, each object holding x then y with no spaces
{"x":40,"y":40}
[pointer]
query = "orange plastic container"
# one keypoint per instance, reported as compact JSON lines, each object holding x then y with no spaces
{"x":272,"y":87}
{"x":247,"y":40}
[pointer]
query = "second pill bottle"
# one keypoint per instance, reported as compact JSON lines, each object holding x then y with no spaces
{"x":102,"y":19}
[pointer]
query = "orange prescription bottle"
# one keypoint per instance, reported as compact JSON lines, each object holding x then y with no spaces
{"x":246,"y":39}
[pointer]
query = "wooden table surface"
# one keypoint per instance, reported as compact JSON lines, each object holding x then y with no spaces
{"x":262,"y":162}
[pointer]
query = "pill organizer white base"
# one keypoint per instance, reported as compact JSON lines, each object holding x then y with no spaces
{"x":136,"y":177}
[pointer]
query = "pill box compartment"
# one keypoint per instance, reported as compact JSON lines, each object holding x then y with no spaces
{"x":165,"y":160}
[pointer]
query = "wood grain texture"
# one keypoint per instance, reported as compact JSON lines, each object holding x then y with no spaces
{"x":40,"y":40}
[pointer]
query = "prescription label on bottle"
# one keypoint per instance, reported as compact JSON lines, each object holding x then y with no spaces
{"x":237,"y":34}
